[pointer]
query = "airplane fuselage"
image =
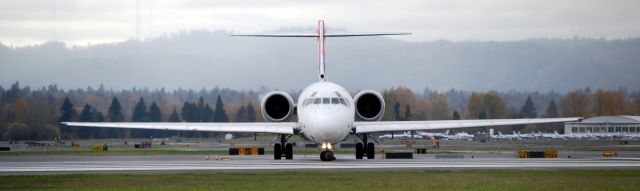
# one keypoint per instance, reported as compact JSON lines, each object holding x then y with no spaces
{"x":325,"y":112}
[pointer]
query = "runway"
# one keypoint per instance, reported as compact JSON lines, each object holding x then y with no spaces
{"x":111,"y":164}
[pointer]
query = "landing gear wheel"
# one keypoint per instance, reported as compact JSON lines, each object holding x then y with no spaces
{"x":277,"y":151}
{"x":370,"y":151}
{"x":359,"y":150}
{"x":327,"y":156}
{"x":288,"y":151}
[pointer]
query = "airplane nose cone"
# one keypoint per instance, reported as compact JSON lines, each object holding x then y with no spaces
{"x":328,"y":128}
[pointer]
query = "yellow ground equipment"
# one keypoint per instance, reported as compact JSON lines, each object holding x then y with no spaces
{"x":246,"y":151}
{"x":609,"y":154}
{"x":537,"y":154}
{"x":99,"y":148}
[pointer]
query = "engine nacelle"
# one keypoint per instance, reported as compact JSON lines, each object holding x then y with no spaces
{"x":277,"y":106}
{"x":369,"y":106}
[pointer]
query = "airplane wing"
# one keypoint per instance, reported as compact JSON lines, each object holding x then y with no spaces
{"x":381,"y":126}
{"x":258,"y":127}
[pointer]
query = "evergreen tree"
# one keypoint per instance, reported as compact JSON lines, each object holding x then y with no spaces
{"x":482,"y":115}
{"x":189,"y":112}
{"x":184,"y":111}
{"x":115,"y":111}
{"x":115,"y":115}
{"x":202,"y":114}
{"x":174,"y":116}
{"x":407,"y":113}
{"x":68,"y":114}
{"x":99,"y":117}
{"x":396,"y":110}
{"x":87,"y":115}
{"x":207,"y":113}
{"x":100,"y":132}
{"x":140,"y":113}
{"x":220,"y":115}
{"x":12,"y":94}
{"x":155,"y":115}
{"x":528,"y":110}
{"x":251,"y":113}
{"x":241,"y":115}
{"x":456,"y":115}
{"x":552,"y":110}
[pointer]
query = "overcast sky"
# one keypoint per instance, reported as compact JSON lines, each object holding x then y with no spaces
{"x":80,"y":22}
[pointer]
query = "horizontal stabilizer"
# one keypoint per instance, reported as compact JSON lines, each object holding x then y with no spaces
{"x":321,"y":35}
{"x":317,"y":35}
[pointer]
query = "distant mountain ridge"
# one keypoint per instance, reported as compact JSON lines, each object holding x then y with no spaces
{"x":199,"y":58}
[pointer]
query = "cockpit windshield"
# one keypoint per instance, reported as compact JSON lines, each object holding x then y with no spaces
{"x":326,"y":100}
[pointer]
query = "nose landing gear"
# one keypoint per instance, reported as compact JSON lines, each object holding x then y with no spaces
{"x":327,"y":153}
{"x":327,"y":156}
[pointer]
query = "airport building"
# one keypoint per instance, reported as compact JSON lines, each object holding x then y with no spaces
{"x":605,"y":124}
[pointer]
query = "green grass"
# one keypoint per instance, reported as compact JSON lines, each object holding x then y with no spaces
{"x":379,"y":180}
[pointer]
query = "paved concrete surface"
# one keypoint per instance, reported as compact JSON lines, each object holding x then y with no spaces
{"x":111,"y":164}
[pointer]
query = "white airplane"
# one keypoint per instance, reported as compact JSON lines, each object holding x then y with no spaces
{"x":586,"y":136}
{"x":594,"y":136}
{"x":526,"y":136}
{"x":461,"y":136}
{"x":634,"y":136}
{"x":552,"y":136}
{"x":513,"y":136}
{"x":438,"y":136}
{"x":326,"y":112}
{"x":499,"y":136}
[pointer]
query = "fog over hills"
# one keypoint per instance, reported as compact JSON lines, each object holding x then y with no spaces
{"x":198,"y":59}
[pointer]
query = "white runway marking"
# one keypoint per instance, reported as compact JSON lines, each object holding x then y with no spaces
{"x":146,"y":164}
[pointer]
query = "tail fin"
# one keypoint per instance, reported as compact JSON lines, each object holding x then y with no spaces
{"x":320,"y":34}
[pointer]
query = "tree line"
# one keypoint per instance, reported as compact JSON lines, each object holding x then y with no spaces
{"x":27,"y":113}
{"x":404,"y":104}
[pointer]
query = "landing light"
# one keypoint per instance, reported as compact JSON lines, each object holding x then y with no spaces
{"x":324,"y":146}
{"x":328,"y":145}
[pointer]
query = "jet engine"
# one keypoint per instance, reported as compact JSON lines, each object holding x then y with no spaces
{"x":277,"y":106}
{"x":369,"y":106}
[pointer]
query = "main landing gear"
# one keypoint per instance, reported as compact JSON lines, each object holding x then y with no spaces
{"x":364,"y":148}
{"x":283,"y":149}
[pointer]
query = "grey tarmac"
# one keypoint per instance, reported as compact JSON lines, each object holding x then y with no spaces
{"x":150,"y":164}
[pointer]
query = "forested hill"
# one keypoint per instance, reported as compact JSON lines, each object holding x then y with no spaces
{"x":198,"y":59}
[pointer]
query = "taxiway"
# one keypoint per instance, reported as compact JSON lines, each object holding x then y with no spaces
{"x":111,"y":164}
